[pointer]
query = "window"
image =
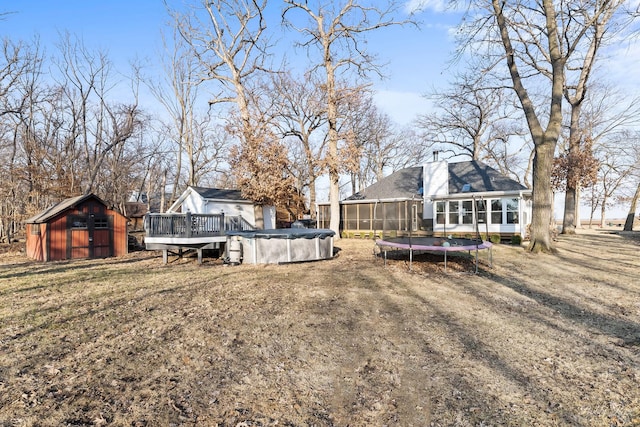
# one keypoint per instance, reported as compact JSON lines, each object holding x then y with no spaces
{"x":481,"y":209}
{"x":454,"y":209}
{"x":78,"y":221}
{"x":512,"y":211}
{"x":467,"y":212}
{"x":102,"y":223}
{"x":440,"y":212}
{"x":496,"y":211}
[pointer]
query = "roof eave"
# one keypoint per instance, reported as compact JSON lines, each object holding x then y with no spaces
{"x":470,"y":195}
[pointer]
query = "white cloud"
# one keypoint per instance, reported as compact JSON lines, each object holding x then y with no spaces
{"x":417,"y":6}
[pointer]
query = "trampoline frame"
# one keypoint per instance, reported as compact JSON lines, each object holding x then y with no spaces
{"x":453,"y":246}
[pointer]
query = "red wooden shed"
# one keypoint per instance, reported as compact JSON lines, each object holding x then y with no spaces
{"x":78,"y":227}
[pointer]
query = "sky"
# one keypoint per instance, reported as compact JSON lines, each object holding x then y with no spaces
{"x":415,"y":59}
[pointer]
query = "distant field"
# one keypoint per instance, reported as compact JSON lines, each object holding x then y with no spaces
{"x":536,"y":340}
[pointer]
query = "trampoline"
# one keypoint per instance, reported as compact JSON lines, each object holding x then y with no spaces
{"x":435,"y":244}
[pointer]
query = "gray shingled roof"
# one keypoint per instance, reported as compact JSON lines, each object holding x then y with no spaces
{"x":57,"y":209}
{"x":407,"y":183}
{"x":401,"y":184}
{"x":219,"y":194}
{"x":480,"y":177}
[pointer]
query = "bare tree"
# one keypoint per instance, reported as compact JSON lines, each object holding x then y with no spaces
{"x":371,"y":133}
{"x":538,"y":41}
{"x":300,"y":110}
{"x":595,"y":20}
{"x":191,"y":131}
{"x":336,"y":31}
{"x":605,"y":116}
{"x":617,"y":166}
{"x":95,"y":123}
{"x":20,"y":91}
{"x":228,"y":39}
{"x":477,"y":118}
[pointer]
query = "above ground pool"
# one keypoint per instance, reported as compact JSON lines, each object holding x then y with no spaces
{"x":280,"y":245}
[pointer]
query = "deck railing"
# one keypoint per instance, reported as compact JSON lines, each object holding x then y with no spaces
{"x":192,"y":225}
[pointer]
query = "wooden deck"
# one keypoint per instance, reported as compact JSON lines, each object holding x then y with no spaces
{"x":184,"y":231}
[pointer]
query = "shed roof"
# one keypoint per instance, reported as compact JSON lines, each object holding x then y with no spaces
{"x":59,"y":208}
{"x":407,"y":183}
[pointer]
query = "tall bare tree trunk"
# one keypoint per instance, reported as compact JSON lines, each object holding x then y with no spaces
{"x":571,"y":193}
{"x":542,"y":198}
{"x":628,"y":224}
{"x":544,"y":140}
{"x":332,"y":154}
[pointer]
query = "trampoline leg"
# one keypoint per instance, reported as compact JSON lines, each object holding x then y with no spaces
{"x":410,"y":258}
{"x":445,"y":261}
{"x":476,"y":260}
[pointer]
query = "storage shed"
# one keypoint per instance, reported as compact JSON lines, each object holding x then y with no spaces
{"x":76,"y":228}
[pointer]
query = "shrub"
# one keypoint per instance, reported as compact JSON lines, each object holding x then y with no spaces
{"x":495,"y":238}
{"x":516,"y":240}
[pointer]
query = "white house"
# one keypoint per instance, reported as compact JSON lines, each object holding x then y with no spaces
{"x":202,"y":200}
{"x":437,"y":198}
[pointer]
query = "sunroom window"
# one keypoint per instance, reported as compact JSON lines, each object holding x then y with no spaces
{"x":496,"y":211}
{"x":467,"y":212}
{"x":440,"y":212}
{"x":454,"y":209}
{"x":512,"y":211}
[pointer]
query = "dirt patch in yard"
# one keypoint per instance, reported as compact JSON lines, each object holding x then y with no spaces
{"x":532,"y":340}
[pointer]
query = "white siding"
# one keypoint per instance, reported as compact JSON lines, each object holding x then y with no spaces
{"x":435,"y":183}
{"x":194,"y":203}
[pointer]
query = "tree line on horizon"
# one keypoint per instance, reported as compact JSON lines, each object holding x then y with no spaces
{"x":223,"y":115}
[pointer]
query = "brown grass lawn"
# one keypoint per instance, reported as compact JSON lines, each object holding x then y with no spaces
{"x":537,"y":340}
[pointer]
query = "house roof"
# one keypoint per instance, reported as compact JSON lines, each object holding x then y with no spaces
{"x":219,"y":194}
{"x":206,"y":193}
{"x":407,"y":183}
{"x":480,"y":177}
{"x":401,"y":184}
{"x":57,"y":209}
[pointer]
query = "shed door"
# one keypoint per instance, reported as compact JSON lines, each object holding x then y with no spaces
{"x":101,"y":236}
{"x":89,"y":236}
